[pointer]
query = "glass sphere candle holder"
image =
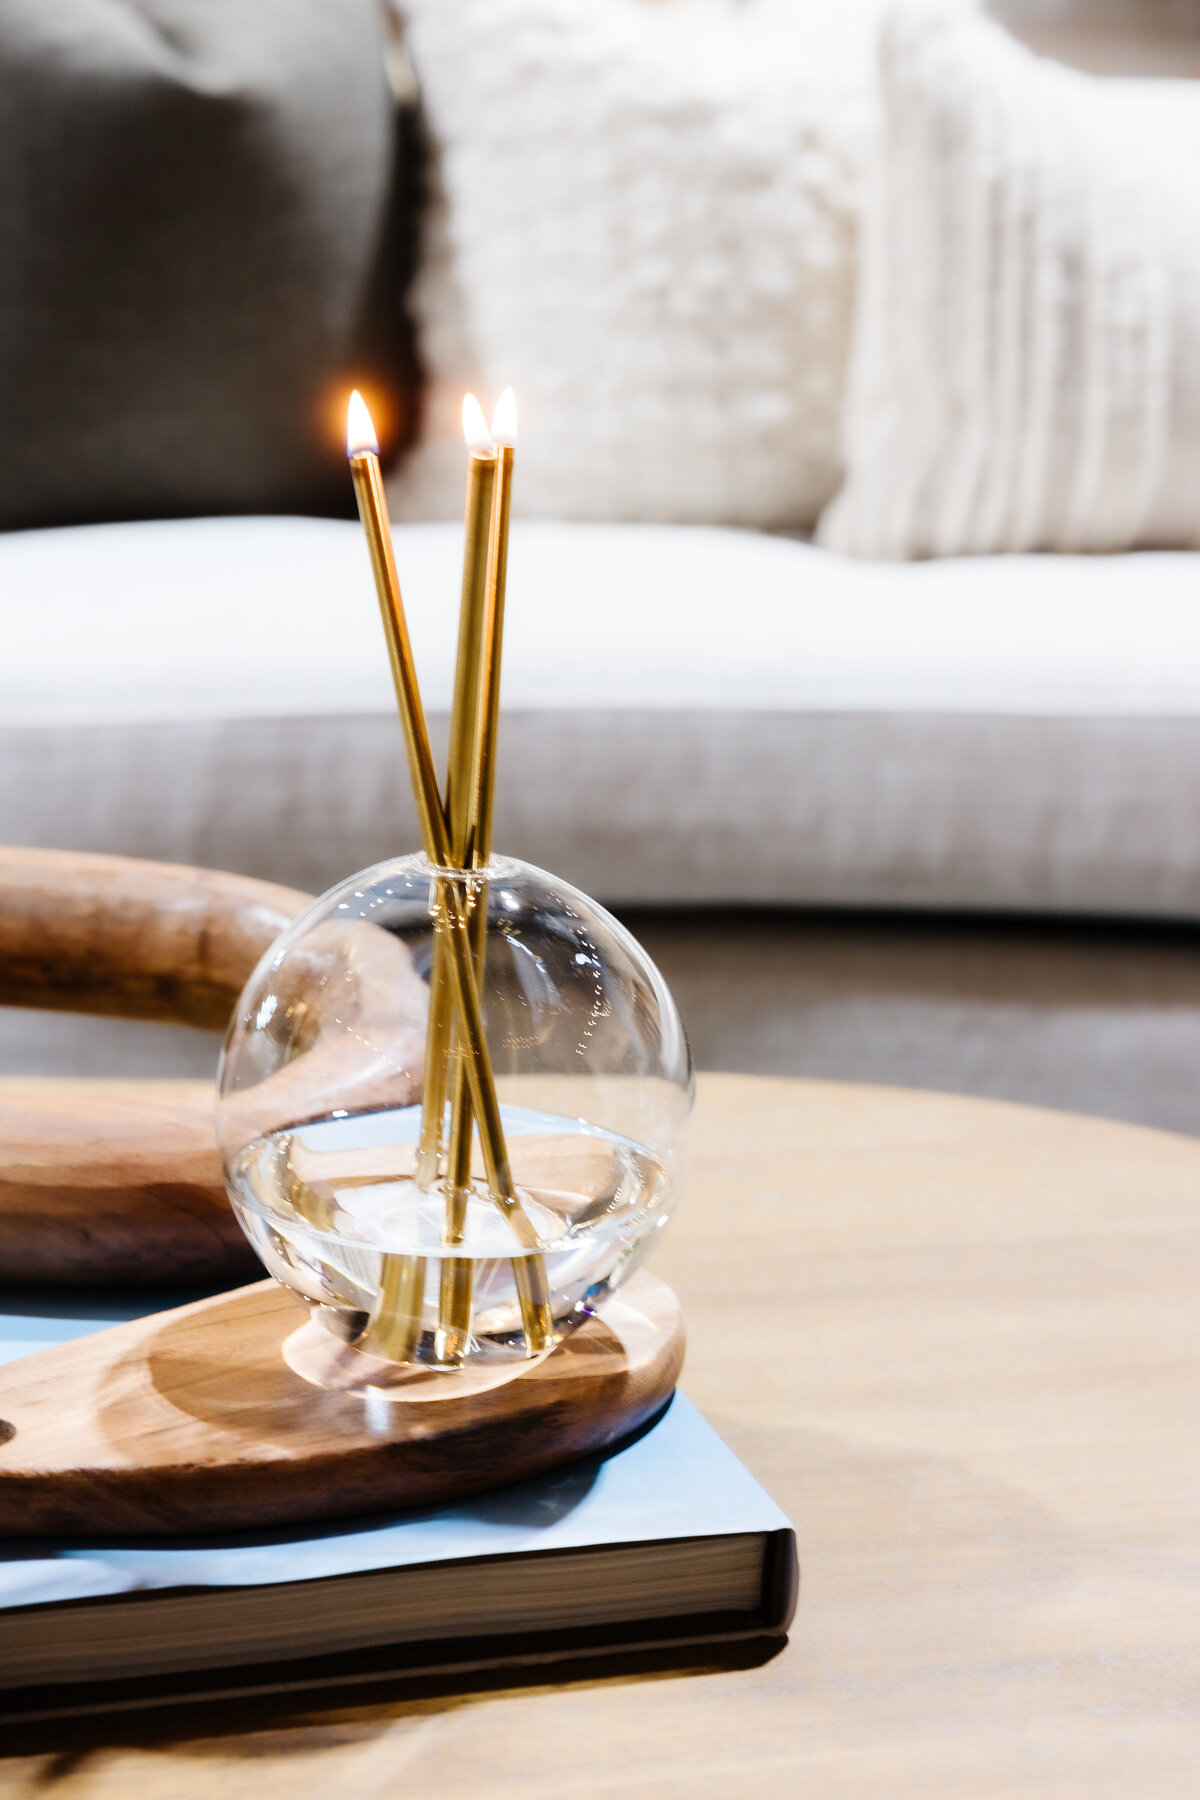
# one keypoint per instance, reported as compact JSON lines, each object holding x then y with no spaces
{"x":324,"y":1093}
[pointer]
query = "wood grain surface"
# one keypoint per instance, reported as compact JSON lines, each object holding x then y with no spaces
{"x":140,"y":940}
{"x":193,"y":1420}
{"x":959,"y":1342}
{"x":119,"y":1181}
{"x":114,"y":1182}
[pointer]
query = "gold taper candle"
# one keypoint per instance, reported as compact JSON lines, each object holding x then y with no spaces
{"x":362,"y":449}
{"x":481,"y":465}
{"x":458,"y":1276}
{"x":504,"y":431}
{"x":472,"y":632}
{"x":455,"y":1295}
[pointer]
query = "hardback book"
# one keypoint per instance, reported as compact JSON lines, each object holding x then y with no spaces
{"x":664,"y":1543}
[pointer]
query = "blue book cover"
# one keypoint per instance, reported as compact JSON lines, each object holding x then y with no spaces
{"x":673,"y":1495}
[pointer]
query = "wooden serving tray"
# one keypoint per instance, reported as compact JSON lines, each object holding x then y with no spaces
{"x":114,"y":1182}
{"x":120,"y":1181}
{"x":194,"y":1420}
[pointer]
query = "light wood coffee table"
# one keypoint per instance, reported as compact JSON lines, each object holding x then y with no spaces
{"x":960,"y":1344}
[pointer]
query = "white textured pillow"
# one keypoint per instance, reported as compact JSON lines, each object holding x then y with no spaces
{"x":653,"y":240}
{"x":1026,"y":366}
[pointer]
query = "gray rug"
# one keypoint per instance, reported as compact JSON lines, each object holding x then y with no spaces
{"x":1097,"y":1019}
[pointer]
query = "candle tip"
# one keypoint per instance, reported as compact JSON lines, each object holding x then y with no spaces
{"x":360,"y":432}
{"x":479,"y":438}
{"x":504,"y":419}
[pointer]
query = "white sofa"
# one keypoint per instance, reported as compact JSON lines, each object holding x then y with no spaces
{"x":691,"y":715}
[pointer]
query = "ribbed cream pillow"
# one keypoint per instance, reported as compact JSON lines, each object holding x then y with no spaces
{"x":1026,"y":365}
{"x":653,"y":237}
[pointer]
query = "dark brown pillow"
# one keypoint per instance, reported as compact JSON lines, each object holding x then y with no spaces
{"x":197,"y":254}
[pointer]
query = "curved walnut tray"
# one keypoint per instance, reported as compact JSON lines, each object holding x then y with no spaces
{"x":192,"y":1420}
{"x":114,"y":1182}
{"x":138,"y":940}
{"x":119,"y":1181}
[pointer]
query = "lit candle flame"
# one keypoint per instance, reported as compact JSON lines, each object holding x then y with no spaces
{"x":360,"y":432}
{"x":479,"y":438}
{"x":504,"y":419}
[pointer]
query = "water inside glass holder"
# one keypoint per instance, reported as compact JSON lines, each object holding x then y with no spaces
{"x":327,"y":1204}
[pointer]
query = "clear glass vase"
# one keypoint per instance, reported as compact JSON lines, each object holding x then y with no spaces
{"x":355,"y":1154}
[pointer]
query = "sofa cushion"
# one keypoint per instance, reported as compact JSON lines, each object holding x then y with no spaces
{"x":195,"y":253}
{"x":1024,"y":372}
{"x":690,"y":714}
{"x":653,"y":239}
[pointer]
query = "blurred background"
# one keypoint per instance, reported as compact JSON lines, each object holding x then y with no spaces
{"x":697,"y":236}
